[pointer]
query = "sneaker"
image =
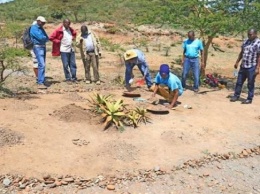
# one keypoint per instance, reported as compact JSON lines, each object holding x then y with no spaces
{"x":98,"y":82}
{"x":88,"y":82}
{"x":247,"y":102}
{"x":196,"y":90}
{"x":234,"y":99}
{"x":42,"y":86}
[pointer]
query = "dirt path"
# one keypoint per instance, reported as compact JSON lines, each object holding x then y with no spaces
{"x":50,"y":128}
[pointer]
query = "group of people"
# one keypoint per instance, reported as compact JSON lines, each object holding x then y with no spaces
{"x":165,"y":83}
{"x":64,"y":39}
{"x":171,"y":87}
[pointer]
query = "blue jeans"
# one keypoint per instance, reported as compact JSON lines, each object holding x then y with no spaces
{"x":243,"y":74}
{"x":194,"y":64}
{"x":40,"y":53}
{"x":142,"y":68}
{"x":69,"y":65}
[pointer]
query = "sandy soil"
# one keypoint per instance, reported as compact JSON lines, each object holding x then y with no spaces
{"x":48,"y":124}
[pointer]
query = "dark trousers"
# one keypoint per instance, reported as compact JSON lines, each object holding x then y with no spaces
{"x":91,"y":60}
{"x":243,"y":74}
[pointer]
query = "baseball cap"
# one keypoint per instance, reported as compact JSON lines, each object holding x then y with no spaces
{"x":40,"y":18}
{"x":164,"y":69}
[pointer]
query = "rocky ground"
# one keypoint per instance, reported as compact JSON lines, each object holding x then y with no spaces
{"x":214,"y":173}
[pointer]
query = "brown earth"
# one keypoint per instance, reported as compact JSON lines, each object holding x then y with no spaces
{"x":57,"y":135}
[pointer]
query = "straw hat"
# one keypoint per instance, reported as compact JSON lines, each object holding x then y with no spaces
{"x":130,"y":54}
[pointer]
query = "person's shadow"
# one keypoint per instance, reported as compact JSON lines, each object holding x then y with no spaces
{"x":49,"y":81}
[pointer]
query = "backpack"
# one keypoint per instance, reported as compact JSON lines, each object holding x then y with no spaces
{"x":27,"y":41}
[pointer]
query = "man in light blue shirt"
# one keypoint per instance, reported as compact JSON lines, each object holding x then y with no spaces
{"x":165,"y":78}
{"x":192,"y":48}
{"x":39,"y":38}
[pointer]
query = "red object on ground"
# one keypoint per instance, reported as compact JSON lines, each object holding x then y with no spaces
{"x":140,"y":82}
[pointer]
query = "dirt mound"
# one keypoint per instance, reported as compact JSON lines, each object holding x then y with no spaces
{"x":9,"y":138}
{"x":73,"y":96}
{"x":120,"y":151}
{"x":73,"y":113}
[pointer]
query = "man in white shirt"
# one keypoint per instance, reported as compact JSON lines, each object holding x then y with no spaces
{"x":62,"y":39}
{"x":90,"y":52}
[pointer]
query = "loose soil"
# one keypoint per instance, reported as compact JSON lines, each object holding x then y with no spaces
{"x":60,"y":136}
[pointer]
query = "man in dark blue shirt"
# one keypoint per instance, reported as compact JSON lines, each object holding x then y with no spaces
{"x":39,"y":38}
{"x":249,"y":68}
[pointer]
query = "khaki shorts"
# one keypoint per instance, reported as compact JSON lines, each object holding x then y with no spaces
{"x":35,"y":62}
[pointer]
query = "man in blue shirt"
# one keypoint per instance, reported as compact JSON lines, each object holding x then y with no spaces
{"x":165,"y":78}
{"x":191,"y":49}
{"x":39,"y":38}
{"x":136,"y":57}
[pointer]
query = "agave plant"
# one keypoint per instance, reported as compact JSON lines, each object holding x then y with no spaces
{"x":113,"y":113}
{"x":133,"y":118}
{"x":142,"y":112}
{"x":137,"y":115}
{"x":97,"y":101}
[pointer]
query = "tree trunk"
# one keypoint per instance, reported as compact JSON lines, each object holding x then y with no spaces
{"x":76,"y":16}
{"x":2,"y":69}
{"x":206,"y":53}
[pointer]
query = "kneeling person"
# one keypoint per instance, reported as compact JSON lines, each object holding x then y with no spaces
{"x":165,"y":78}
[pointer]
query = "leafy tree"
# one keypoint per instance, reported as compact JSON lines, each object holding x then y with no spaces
{"x":208,"y":17}
{"x":9,"y":57}
{"x":64,"y":7}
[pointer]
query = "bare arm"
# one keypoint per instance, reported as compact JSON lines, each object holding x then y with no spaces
{"x":175,"y":97}
{"x":155,"y":90}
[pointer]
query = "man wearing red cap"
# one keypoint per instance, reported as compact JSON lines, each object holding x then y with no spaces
{"x":165,"y":78}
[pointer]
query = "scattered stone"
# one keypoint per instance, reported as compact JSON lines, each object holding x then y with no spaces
{"x":58,"y":183}
{"x":157,"y":168}
{"x":48,"y":182}
{"x":69,"y":179}
{"x":64,"y":182}
{"x":22,"y":186}
{"x":45,"y":177}
{"x":7,"y":182}
{"x":52,"y":185}
{"x":244,"y":152}
{"x":111,"y":187}
{"x":102,"y":184}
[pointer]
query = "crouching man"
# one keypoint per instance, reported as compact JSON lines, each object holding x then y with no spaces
{"x":167,"y":85}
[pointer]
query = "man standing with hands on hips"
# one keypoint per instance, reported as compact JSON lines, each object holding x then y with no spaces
{"x":249,"y":68}
{"x":192,"y":48}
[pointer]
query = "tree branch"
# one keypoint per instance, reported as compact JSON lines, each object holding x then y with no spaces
{"x":216,"y":48}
